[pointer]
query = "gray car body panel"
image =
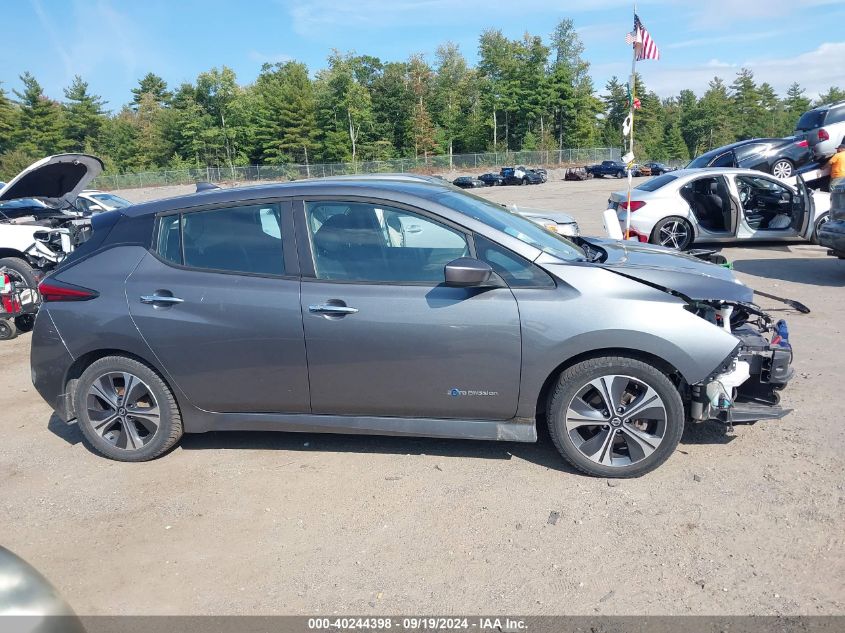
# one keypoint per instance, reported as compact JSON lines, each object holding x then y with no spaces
{"x":391,"y":368}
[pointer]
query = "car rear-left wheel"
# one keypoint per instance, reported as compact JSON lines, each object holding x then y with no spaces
{"x":819,"y":224}
{"x":783,"y":168}
{"x":615,"y":416}
{"x":126,"y":411}
{"x":672,"y":232}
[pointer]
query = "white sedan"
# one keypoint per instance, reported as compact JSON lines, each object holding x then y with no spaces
{"x":720,"y":205}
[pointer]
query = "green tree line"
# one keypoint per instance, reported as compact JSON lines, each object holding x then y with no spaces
{"x":523,"y":94}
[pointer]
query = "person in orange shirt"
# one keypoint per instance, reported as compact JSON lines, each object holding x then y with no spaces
{"x":837,"y":165}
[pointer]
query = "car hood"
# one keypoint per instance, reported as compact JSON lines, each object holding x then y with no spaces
{"x":669,"y":269}
{"x":55,"y":179}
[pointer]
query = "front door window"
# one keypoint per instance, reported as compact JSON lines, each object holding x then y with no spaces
{"x":769,"y":205}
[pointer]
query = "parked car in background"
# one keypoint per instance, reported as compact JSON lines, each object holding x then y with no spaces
{"x":613,"y":168}
{"x":781,"y":157}
{"x":189,"y":314}
{"x":832,"y":232}
{"x":521,"y":176}
{"x":823,"y":128}
{"x":720,"y":205}
{"x":577,"y":173}
{"x":94,"y":201}
{"x":492,"y":180}
{"x":39,"y":222}
{"x":657,"y":168}
{"x":554,"y":221}
{"x":468,"y":182}
{"x":637,"y":171}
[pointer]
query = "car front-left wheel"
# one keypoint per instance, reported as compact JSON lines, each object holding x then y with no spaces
{"x":615,"y":416}
{"x":126,"y":411}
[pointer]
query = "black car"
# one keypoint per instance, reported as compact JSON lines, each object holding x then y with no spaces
{"x":832,"y":233}
{"x":657,"y":169}
{"x":521,"y":176}
{"x":781,"y":157}
{"x":491,"y":180}
{"x":468,"y":182}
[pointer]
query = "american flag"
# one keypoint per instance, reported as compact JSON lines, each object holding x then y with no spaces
{"x":643,"y":44}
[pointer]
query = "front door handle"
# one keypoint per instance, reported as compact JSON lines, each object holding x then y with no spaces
{"x":324,"y":308}
{"x":160,"y":299}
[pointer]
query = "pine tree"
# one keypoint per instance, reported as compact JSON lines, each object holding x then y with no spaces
{"x":747,"y":111}
{"x":834,"y":94}
{"x":153,"y":85}
{"x":39,"y":129}
{"x":83,"y":115}
{"x":794,"y":106}
{"x":8,"y":117}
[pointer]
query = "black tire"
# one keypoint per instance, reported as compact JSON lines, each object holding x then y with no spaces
{"x":819,"y":223}
{"x":573,"y":380}
{"x":783,"y":168}
{"x":25,"y":322}
{"x":8,"y":331}
{"x":21,"y":267}
{"x":169,"y":428}
{"x":524,"y":182}
{"x":620,"y":174}
{"x":658,"y":235}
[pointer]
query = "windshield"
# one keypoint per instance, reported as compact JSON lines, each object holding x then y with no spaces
{"x":653,"y":184}
{"x":112,"y":200}
{"x":523,"y":229}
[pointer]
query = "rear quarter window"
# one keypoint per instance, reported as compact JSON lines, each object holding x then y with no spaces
{"x":835,"y":115}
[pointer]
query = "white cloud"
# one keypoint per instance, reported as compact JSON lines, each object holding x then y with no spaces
{"x":815,"y":70}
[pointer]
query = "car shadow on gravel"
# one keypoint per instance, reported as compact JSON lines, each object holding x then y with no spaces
{"x":813,"y":271}
{"x":543,"y":452}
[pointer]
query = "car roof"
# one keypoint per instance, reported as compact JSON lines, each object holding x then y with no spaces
{"x":714,"y":171}
{"x":377,"y":186}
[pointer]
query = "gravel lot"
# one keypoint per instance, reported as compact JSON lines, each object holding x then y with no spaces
{"x":263,"y":523}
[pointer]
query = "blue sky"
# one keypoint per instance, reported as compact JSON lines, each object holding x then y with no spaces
{"x":112,"y":43}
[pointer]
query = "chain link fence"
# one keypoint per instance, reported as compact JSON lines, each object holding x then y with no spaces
{"x":458,"y":162}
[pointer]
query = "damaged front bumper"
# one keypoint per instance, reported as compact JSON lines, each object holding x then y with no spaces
{"x":746,"y":387}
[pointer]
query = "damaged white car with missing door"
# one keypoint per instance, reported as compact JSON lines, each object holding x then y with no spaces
{"x":40,"y":223}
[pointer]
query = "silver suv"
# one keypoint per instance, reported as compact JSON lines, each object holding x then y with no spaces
{"x":823,"y":128}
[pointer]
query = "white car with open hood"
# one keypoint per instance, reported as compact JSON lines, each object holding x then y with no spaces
{"x":40,"y":223}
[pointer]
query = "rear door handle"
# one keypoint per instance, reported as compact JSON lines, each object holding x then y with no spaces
{"x":331,"y":309}
{"x":160,"y":299}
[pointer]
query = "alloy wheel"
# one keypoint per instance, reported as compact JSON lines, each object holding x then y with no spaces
{"x":123,"y":410}
{"x":673,"y":234}
{"x":782,"y":169}
{"x":616,"y":420}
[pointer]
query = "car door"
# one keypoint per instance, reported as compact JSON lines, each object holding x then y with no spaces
{"x":385,"y":336}
{"x":217,"y":301}
{"x":769,"y":208}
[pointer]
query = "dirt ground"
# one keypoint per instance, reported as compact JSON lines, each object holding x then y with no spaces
{"x":263,"y":523}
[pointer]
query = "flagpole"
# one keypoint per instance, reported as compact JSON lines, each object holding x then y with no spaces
{"x":632,"y":84}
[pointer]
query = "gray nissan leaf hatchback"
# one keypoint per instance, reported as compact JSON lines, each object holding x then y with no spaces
{"x":393,"y":307}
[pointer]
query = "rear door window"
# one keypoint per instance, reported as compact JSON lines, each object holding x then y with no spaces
{"x":245,"y":239}
{"x":724,"y":160}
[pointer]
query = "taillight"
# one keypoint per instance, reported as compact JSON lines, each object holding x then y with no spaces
{"x":635,"y":204}
{"x":823,"y":135}
{"x":803,"y":143}
{"x":55,"y":290}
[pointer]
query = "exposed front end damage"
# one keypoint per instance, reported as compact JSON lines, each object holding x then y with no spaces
{"x":746,"y":386}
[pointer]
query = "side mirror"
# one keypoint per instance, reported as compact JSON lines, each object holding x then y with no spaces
{"x":466,"y":272}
